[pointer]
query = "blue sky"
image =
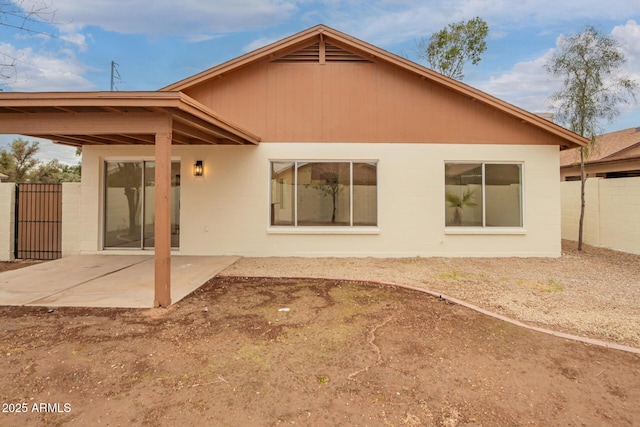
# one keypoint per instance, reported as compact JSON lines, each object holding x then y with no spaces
{"x":176,"y":39}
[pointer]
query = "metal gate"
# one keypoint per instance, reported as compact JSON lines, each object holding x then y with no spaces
{"x":38,"y":213}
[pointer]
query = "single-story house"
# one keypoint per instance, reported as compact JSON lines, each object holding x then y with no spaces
{"x":617,"y":155}
{"x":319,"y":144}
{"x":3,"y":177}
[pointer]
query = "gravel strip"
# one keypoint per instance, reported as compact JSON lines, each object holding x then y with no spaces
{"x":594,"y":293}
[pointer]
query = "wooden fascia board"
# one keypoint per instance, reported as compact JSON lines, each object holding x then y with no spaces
{"x":229,"y":130}
{"x":82,"y":124}
{"x":115,"y":103}
{"x":107,"y":100}
{"x":204,"y":127}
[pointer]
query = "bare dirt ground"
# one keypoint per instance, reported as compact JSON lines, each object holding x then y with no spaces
{"x":268,"y":352}
{"x":594,"y":293}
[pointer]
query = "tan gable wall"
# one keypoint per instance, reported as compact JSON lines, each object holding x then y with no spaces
{"x":356,"y":102}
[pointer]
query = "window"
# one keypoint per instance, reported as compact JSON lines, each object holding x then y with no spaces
{"x":129,"y":200}
{"x":483,"y":195}
{"x":335,"y":194}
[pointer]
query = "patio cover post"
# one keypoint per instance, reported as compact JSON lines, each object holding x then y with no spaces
{"x":162,"y":226}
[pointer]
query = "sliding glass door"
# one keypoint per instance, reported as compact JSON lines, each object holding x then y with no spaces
{"x":129,"y":201}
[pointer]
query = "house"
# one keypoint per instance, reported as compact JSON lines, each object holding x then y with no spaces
{"x":319,"y":144}
{"x":617,"y":156}
{"x":3,"y":177}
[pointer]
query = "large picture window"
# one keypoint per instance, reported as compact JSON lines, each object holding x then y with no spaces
{"x":483,"y":195}
{"x":339,"y":194}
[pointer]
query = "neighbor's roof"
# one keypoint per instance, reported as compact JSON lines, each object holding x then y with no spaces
{"x":297,"y":41}
{"x":619,"y":145}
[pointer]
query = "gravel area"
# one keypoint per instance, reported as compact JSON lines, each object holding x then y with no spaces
{"x":594,"y":293}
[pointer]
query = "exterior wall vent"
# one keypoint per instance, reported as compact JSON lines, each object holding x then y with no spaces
{"x":314,"y":53}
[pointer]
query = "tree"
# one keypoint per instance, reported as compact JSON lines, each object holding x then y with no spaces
{"x":55,"y":172}
{"x":448,"y":50}
{"x":7,"y":165}
{"x":19,"y":160}
{"x":19,"y":163}
{"x":589,"y":64}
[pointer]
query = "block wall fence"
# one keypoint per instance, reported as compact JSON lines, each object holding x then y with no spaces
{"x":612,"y":213}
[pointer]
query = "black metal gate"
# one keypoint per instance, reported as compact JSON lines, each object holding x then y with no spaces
{"x":38,"y":221}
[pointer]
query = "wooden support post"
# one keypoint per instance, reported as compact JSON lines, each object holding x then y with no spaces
{"x":163,"y":218}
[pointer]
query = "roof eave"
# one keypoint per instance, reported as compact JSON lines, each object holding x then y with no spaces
{"x":171,"y":102}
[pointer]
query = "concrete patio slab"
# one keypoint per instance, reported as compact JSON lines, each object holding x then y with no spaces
{"x":104,"y":280}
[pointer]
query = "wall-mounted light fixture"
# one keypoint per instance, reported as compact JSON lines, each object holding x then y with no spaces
{"x":198,"y":168}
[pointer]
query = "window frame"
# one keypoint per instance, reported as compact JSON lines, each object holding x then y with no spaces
{"x":322,"y":229}
{"x":103,"y":202}
{"x":484,"y":228}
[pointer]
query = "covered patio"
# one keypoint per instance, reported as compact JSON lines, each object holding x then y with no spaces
{"x":125,"y":118}
{"x":122,"y":281}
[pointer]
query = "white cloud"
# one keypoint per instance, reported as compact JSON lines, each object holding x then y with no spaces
{"x":170,"y":17}
{"x":629,"y":37}
{"x":45,"y":72}
{"x":394,"y":21}
{"x":528,"y":86}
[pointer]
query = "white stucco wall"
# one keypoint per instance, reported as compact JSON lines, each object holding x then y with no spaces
{"x":71,"y":218}
{"x":7,"y":224}
{"x":226,"y":212}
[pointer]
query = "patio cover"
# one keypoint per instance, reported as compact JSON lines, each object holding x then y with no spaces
{"x":125,"y":118}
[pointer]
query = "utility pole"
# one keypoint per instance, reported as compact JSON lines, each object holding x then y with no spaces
{"x":114,"y":75}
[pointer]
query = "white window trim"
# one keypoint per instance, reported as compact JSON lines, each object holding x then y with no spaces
{"x":286,"y":229}
{"x":326,"y":230}
{"x":485,"y":230}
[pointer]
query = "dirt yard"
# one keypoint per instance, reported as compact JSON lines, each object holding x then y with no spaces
{"x":268,"y":352}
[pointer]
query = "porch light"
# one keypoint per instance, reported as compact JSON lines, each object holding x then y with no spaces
{"x":198,"y":168}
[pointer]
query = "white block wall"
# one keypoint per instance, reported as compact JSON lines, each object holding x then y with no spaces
{"x":7,"y":224}
{"x":71,"y":233}
{"x":612,"y":213}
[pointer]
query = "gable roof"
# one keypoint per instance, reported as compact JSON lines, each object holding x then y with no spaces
{"x":622,"y":144}
{"x":340,"y":46}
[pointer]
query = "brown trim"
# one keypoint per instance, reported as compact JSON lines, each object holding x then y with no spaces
{"x":600,"y":162}
{"x":70,"y":114}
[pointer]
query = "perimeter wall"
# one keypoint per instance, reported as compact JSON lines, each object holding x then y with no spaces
{"x":612,"y":213}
